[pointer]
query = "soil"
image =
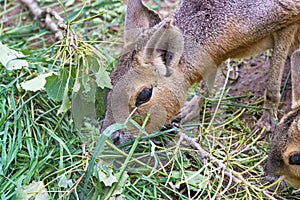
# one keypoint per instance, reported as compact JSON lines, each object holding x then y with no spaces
{"x":12,"y":19}
{"x":252,"y":78}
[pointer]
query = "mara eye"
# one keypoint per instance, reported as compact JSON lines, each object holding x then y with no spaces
{"x":294,"y":159}
{"x":143,"y":97}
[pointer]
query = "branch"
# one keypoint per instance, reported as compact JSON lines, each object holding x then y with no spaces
{"x":206,"y":155}
{"x":45,"y":17}
{"x":236,"y":177}
{"x":33,"y":7}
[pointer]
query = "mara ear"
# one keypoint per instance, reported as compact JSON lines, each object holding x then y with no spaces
{"x":138,"y":17}
{"x":295,"y":68}
{"x":168,"y":44}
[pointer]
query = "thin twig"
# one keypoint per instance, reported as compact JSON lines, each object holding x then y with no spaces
{"x":78,"y":180}
{"x":205,"y":155}
{"x":268,"y":195}
{"x":45,"y":16}
{"x":33,"y":7}
{"x":234,"y":176}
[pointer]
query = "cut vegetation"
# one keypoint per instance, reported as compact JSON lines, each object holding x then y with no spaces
{"x":52,"y":103}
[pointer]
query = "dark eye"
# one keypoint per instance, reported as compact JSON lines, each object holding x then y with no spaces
{"x":143,"y":97}
{"x":294,"y":159}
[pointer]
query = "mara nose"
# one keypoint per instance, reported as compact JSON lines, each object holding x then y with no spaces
{"x":120,"y":137}
{"x":116,"y":137}
{"x":271,"y":179}
{"x":269,"y":176}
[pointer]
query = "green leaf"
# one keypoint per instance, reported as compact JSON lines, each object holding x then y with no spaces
{"x":121,"y":184}
{"x":85,"y":82}
{"x":101,"y":95}
{"x":93,"y":61}
{"x":195,"y":180}
{"x":83,"y":104}
{"x":36,"y":83}
{"x":64,"y":182}
{"x":9,"y":58}
{"x":112,"y":128}
{"x":66,"y":103}
{"x":107,"y":179}
{"x":33,"y":191}
{"x":103,"y":79}
{"x":100,"y":147}
{"x":55,"y":85}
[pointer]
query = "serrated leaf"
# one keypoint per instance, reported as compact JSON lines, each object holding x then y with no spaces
{"x":33,"y":191}
{"x":96,"y":66}
{"x":89,"y":130}
{"x":107,"y":178}
{"x":121,"y":184}
{"x":93,"y":61}
{"x":36,"y":83}
{"x":103,"y":79}
{"x":9,"y":58}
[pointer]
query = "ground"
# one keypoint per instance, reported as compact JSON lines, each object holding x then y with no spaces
{"x":252,"y":79}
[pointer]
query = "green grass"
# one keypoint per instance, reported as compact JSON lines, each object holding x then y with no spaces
{"x":41,"y":142}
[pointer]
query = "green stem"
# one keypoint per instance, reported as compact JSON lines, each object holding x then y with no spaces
{"x":122,"y":170}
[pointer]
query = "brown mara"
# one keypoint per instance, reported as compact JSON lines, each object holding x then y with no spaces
{"x":162,"y":58}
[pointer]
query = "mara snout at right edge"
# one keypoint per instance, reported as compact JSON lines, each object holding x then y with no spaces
{"x":162,"y":58}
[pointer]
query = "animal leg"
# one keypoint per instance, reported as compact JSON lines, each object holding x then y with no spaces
{"x":282,"y":43}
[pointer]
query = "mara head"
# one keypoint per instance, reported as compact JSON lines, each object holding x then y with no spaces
{"x":284,"y":156}
{"x":148,"y":79}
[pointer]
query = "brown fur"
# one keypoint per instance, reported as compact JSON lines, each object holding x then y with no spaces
{"x":210,"y":32}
